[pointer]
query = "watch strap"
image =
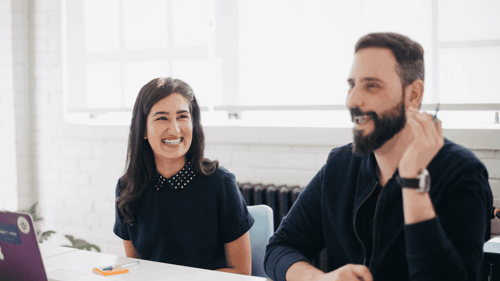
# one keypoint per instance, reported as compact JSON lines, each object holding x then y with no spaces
{"x":422,"y":182}
{"x":408,"y":183}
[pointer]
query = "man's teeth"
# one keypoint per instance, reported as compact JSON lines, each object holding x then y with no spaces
{"x":172,"y":141}
{"x":361,"y":119}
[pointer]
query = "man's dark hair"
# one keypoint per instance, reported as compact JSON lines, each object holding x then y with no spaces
{"x":409,"y":54}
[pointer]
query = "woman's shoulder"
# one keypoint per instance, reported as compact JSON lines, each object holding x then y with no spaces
{"x":222,"y":174}
{"x":120,"y":185}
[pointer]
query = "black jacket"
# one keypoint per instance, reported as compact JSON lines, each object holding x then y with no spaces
{"x":448,"y":247}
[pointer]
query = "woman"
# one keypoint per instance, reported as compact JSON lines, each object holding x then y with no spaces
{"x":173,"y":205}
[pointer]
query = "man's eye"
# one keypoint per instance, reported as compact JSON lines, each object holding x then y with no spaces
{"x":371,"y":85}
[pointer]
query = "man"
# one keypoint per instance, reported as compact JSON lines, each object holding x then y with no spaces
{"x":364,"y":206}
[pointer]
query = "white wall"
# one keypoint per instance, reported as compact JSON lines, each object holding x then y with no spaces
{"x":8,"y":163}
{"x":71,"y":170}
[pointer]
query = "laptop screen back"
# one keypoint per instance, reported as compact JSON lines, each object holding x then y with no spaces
{"x":20,"y":257}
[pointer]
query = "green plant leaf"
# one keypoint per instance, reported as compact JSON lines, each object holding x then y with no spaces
{"x":46,"y":235}
{"x":81,"y":244}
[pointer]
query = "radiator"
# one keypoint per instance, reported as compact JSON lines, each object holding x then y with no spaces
{"x":280,"y":198}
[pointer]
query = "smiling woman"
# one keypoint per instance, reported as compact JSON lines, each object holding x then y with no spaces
{"x":169,"y":133}
{"x":173,"y":205}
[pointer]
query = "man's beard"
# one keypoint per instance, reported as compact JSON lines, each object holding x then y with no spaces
{"x":389,"y":124}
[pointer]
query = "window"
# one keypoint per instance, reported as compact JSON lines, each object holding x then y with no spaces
{"x":277,"y":61}
{"x":115,"y":47}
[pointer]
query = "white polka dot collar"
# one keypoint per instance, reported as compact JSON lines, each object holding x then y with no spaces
{"x":177,"y":181}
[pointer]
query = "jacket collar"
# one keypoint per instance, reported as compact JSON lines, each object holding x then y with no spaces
{"x":367,"y":179}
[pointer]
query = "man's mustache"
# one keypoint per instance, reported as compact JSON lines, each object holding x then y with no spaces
{"x":355,"y":111}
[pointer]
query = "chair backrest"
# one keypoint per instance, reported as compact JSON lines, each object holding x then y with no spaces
{"x":261,"y":231}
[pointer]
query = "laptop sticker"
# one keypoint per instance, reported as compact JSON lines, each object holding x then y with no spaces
{"x":9,"y":233}
{"x":23,"y":224}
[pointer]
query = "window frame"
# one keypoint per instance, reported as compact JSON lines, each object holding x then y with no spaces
{"x":230,"y":93}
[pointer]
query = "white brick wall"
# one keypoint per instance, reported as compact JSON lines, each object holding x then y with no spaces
{"x":77,"y":166}
{"x":8,"y":156}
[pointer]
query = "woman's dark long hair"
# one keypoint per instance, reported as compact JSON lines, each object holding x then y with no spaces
{"x":140,"y":164}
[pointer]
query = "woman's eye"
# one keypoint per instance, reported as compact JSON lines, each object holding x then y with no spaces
{"x":162,"y":118}
{"x":183,"y":116}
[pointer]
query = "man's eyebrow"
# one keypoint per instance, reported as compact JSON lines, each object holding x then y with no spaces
{"x":168,"y":113}
{"x":371,"y":79}
{"x":365,"y":79}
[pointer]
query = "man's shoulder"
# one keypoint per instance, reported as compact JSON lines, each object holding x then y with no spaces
{"x":454,"y":160}
{"x":342,"y":153}
{"x":456,"y":153}
{"x":341,"y":160}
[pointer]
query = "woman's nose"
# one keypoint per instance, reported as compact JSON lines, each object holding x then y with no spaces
{"x":174,"y":126}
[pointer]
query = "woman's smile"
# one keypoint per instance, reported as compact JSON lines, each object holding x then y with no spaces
{"x":173,"y":141}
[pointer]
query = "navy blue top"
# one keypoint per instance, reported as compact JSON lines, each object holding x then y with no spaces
{"x":331,"y":213}
{"x":187,"y":226}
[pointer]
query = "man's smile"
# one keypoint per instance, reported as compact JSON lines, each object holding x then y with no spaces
{"x":361,"y":119}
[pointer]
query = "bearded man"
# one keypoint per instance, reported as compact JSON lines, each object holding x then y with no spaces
{"x":399,"y":203}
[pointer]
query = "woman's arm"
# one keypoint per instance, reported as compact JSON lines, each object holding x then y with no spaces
{"x":130,"y":251}
{"x":238,"y":256}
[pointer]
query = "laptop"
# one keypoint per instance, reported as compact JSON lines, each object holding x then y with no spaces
{"x":20,"y":257}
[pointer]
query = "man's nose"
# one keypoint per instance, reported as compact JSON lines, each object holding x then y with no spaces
{"x":354,"y":98}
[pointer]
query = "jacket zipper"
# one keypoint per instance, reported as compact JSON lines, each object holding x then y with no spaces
{"x":373,"y":230}
{"x":356,"y":214}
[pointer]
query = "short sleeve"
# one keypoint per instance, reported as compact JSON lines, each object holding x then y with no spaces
{"x":234,"y":218}
{"x":120,"y":229}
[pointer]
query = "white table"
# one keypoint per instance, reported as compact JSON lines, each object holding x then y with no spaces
{"x":63,"y":264}
{"x":48,"y":251}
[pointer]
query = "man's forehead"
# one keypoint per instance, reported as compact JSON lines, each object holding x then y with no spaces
{"x":373,"y":62}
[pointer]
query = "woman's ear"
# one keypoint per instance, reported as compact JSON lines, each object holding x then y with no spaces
{"x":415,"y":93}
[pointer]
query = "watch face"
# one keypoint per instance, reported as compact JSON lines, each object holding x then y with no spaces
{"x":425,"y":181}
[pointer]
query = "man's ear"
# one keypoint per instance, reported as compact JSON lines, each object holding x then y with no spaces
{"x":415,"y":93}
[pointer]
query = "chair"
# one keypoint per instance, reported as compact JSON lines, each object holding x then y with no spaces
{"x":491,"y":261}
{"x":260,"y":233}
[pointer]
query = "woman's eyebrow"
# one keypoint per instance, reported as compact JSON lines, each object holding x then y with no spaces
{"x":161,"y":112}
{"x":168,"y":113}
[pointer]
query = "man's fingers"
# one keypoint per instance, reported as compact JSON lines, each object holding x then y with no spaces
{"x":361,"y":271}
{"x":417,"y":129}
{"x":349,"y":272}
{"x":430,"y":130}
{"x":426,"y":122}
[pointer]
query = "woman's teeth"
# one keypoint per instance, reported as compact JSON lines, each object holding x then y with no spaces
{"x":172,"y":141}
{"x":361,"y":119}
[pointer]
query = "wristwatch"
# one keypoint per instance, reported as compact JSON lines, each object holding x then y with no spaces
{"x":421,"y":183}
